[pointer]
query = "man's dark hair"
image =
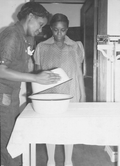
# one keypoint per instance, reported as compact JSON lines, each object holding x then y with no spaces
{"x":32,"y":7}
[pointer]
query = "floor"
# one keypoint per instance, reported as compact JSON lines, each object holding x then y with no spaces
{"x":83,"y":155}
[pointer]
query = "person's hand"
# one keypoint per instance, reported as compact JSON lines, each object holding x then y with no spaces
{"x":47,"y":77}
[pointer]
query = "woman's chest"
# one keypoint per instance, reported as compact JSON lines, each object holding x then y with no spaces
{"x":58,"y":56}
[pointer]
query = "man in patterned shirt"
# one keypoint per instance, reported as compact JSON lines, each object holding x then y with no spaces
{"x":14,"y":68}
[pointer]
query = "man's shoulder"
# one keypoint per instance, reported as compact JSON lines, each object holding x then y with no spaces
{"x":10,"y":31}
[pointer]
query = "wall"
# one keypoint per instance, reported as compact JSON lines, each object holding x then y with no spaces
{"x":114,"y":29}
{"x":113,"y":17}
{"x":72,"y":11}
{"x":7,"y":11}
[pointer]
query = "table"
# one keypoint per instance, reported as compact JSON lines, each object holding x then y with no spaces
{"x":94,"y":123}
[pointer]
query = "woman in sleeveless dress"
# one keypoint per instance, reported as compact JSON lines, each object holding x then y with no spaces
{"x":60,"y":51}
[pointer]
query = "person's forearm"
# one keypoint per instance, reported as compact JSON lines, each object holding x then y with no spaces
{"x":9,"y":74}
{"x":82,"y":86}
{"x":44,"y":77}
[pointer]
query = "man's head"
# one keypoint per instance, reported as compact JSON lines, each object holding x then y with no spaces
{"x":35,"y":16}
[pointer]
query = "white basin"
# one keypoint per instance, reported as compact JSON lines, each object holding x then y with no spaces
{"x":50,"y":103}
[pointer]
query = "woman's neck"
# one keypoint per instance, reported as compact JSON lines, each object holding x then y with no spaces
{"x":60,"y":44}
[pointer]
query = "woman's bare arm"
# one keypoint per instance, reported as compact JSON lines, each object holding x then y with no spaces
{"x":82,"y":87}
{"x":45,"y":77}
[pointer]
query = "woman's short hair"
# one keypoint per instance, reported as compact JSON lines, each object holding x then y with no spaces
{"x":58,"y":17}
{"x":32,"y":7}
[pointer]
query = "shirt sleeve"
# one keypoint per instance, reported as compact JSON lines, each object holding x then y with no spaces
{"x":37,"y":54}
{"x":80,"y":52}
{"x":9,"y":48}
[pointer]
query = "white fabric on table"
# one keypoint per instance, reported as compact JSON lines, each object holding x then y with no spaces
{"x":82,"y":123}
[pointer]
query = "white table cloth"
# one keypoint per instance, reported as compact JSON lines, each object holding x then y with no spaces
{"x":83,"y":123}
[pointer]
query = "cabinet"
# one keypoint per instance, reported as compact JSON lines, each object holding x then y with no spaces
{"x":100,"y":18}
{"x":109,"y":71}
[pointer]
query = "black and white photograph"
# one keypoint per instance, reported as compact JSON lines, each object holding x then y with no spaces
{"x":60,"y":82}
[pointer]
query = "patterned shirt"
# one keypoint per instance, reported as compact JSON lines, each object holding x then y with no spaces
{"x":13,"y":53}
{"x":48,"y":56}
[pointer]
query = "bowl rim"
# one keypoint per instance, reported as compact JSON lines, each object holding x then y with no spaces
{"x":66,"y":98}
